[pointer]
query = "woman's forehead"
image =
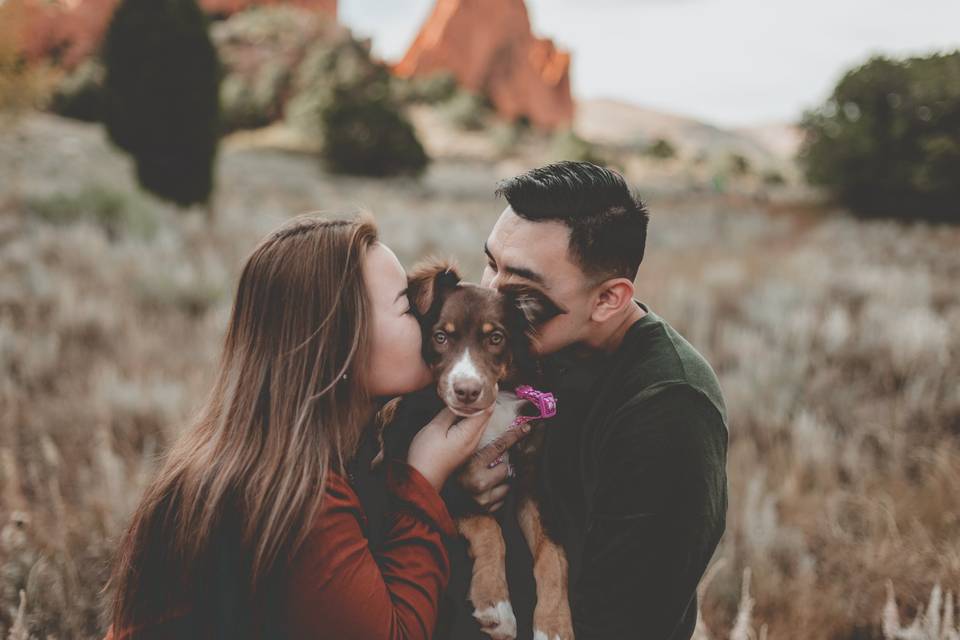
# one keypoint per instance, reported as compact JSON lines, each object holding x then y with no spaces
{"x":385,"y":273}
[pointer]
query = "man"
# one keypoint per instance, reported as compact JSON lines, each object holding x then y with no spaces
{"x":632,"y":476}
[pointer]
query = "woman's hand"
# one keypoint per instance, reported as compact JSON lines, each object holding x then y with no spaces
{"x":440,"y":447}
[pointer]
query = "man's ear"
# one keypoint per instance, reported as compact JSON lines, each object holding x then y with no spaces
{"x":428,"y":283}
{"x":615,"y":294}
{"x":533,"y":306}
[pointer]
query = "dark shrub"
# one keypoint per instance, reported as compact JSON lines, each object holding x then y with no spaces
{"x":661,"y":149}
{"x":366,"y":133}
{"x":345,"y":99}
{"x":739,"y":165}
{"x":887,"y":142}
{"x":80,"y":94}
{"x":773,"y":178}
{"x":161,"y":95}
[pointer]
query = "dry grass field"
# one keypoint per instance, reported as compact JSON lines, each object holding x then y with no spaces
{"x":837,"y":343}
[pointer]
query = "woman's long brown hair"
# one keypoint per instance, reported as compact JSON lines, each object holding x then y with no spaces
{"x":280,"y":414}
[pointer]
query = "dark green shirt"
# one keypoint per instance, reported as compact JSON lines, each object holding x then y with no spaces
{"x":633,"y":483}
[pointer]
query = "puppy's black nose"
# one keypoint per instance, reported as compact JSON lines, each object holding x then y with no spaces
{"x":467,"y":391}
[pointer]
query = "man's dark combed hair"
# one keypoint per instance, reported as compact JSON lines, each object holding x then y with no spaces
{"x":607,"y":221}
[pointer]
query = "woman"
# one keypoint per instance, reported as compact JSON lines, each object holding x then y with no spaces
{"x":251,"y":527}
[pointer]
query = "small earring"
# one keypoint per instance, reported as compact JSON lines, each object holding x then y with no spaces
{"x":343,"y":377}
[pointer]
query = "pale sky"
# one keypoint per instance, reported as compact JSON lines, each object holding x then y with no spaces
{"x":729,"y":62}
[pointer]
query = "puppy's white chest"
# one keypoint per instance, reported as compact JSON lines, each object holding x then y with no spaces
{"x":505,"y":411}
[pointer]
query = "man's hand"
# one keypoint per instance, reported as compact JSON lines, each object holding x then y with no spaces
{"x":488,"y":484}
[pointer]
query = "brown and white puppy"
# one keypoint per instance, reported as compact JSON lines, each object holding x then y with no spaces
{"x":477,"y":342}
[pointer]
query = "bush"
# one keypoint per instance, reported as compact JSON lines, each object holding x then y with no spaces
{"x":739,"y":165}
{"x":161,"y":97}
{"x":366,"y":133}
{"x":567,"y":145}
{"x":340,"y":61}
{"x":661,"y":149}
{"x":345,"y":99}
{"x":887,"y":141}
{"x":117,"y":213}
{"x":467,"y":111}
{"x":433,"y":89}
{"x":255,"y":102}
{"x":773,"y":178}
{"x":80,"y":94}
{"x":508,"y":137}
{"x":259,"y":50}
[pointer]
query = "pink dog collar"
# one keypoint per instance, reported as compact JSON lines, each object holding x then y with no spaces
{"x":545,"y":402}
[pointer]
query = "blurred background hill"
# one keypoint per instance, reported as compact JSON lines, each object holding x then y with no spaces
{"x":814,"y":260}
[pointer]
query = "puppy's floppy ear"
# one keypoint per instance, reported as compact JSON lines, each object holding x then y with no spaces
{"x":533,"y":306}
{"x":429,"y":281}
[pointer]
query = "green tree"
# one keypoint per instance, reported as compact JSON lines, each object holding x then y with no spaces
{"x":887,"y":141}
{"x":161,"y":95}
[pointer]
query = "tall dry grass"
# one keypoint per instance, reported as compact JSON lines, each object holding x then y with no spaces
{"x":836,"y":343}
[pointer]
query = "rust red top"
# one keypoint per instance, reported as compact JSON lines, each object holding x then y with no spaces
{"x":341,"y":588}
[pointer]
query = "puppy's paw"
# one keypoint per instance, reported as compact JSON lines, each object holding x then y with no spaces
{"x":498,"y":621}
{"x":556,"y":625}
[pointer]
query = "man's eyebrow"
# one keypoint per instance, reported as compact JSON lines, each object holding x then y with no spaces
{"x":521,"y":272}
{"x":401,"y":294}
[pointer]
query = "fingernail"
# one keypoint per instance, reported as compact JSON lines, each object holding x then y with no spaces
{"x":525,"y":428}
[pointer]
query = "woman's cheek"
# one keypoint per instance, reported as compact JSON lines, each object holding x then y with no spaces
{"x":415,"y":354}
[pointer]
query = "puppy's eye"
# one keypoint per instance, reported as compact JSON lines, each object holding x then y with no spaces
{"x":440,"y":337}
{"x":496,"y":338}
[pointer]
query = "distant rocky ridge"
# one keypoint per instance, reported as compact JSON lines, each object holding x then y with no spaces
{"x":490,"y":48}
{"x":622,"y":124}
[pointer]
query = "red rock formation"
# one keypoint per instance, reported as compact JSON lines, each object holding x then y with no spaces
{"x":69,"y":30}
{"x":72,"y":29}
{"x":229,"y":7}
{"x":490,"y":48}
